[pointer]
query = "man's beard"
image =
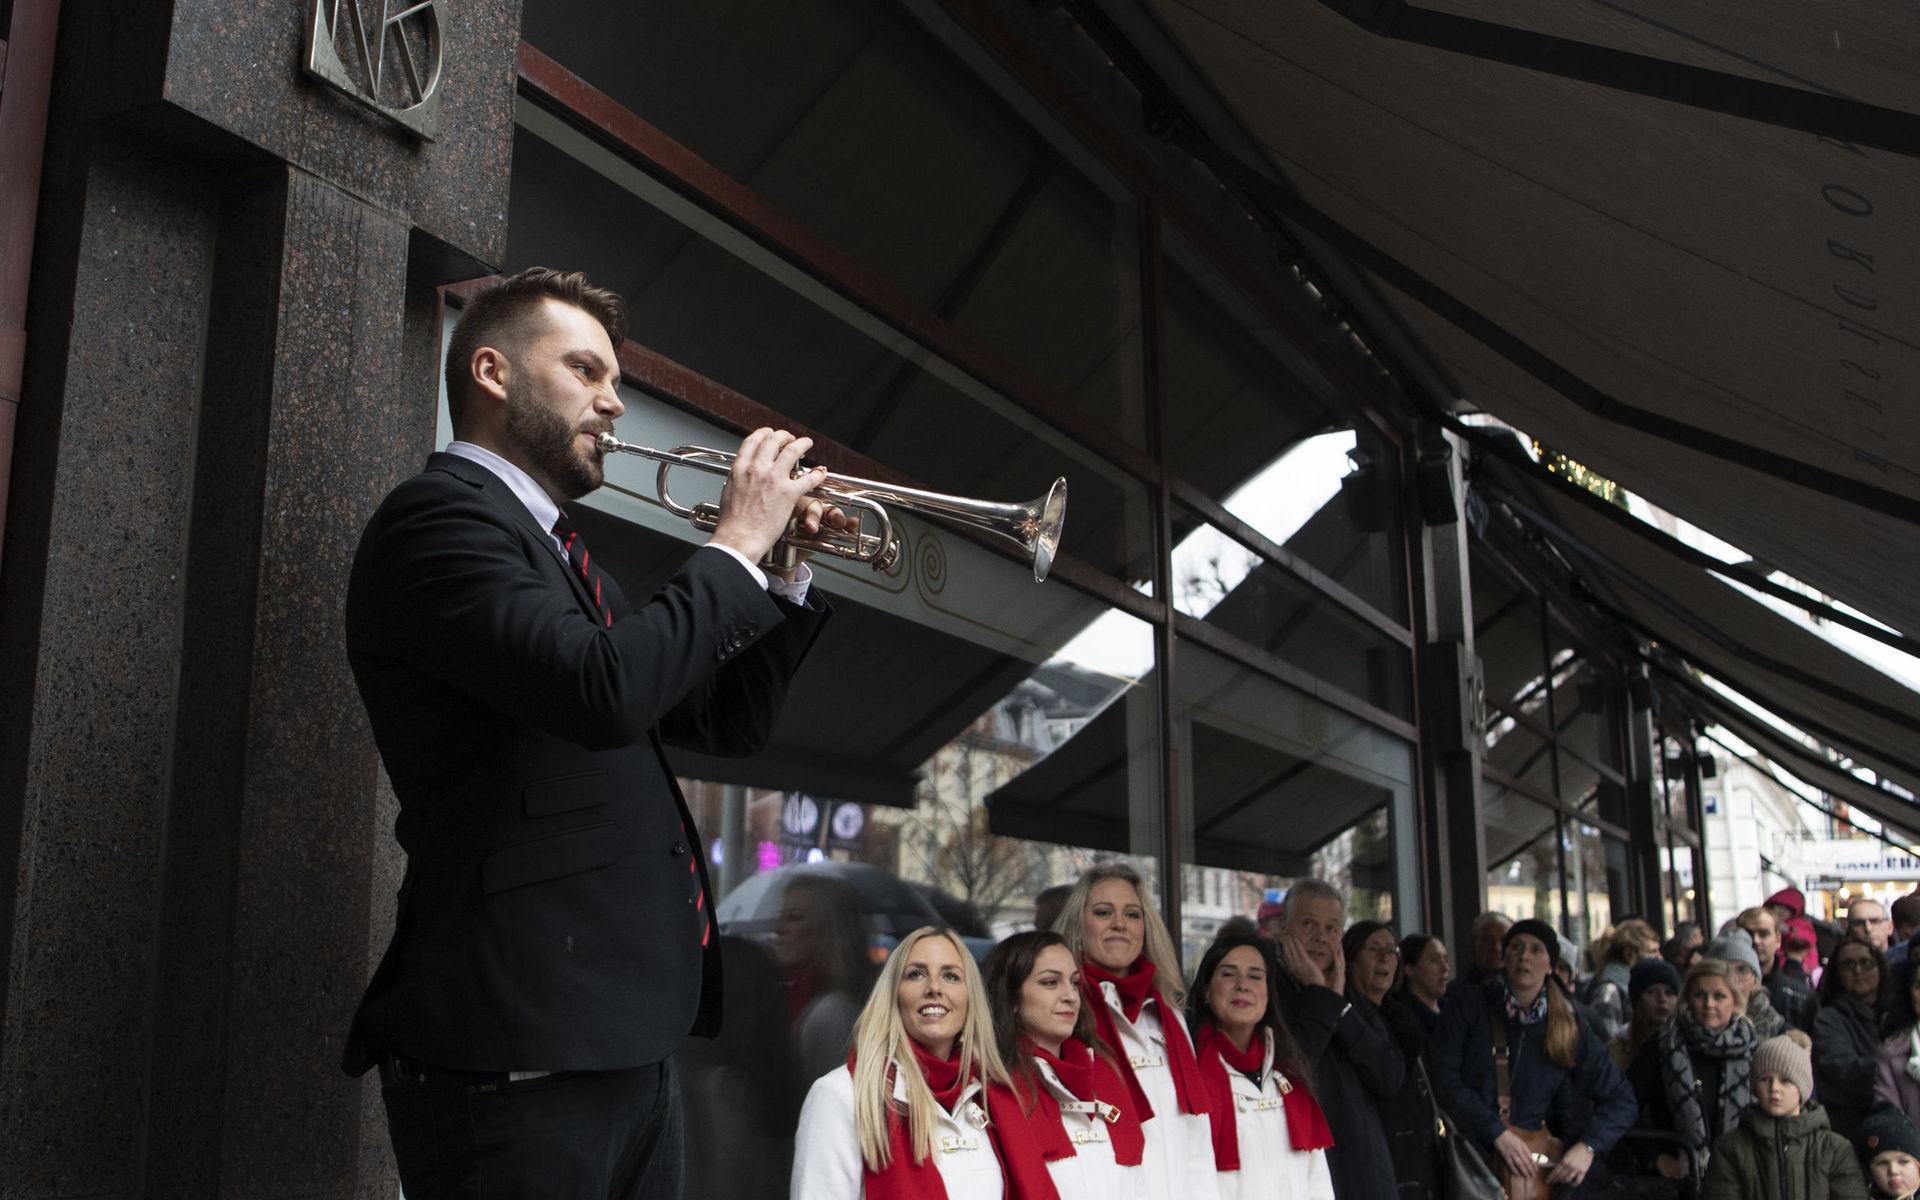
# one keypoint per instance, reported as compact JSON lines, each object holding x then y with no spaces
{"x":547,"y":440}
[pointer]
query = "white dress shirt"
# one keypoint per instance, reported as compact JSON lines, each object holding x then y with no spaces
{"x":546,"y":512}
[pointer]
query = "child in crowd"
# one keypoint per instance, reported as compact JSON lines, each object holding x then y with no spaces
{"x":1891,"y":1149}
{"x":1783,"y":1145}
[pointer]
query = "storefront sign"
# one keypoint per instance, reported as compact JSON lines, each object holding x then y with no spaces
{"x":387,"y":54}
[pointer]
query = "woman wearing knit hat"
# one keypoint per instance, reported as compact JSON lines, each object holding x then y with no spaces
{"x":1551,"y":1059}
{"x":1653,"y":990}
{"x":1734,"y":947}
{"x":1891,"y":1149}
{"x":1693,"y":1077}
{"x":1783,"y":1146}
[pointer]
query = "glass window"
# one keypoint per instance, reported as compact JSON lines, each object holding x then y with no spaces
{"x":1583,"y":709}
{"x":857,"y":122}
{"x":1672,"y":780}
{"x":714,"y":301}
{"x":1218,"y":580}
{"x":1243,"y":425}
{"x":1282,"y":787}
{"x":991,"y":734}
{"x":1506,"y":636}
{"x":1523,"y":855}
{"x":1520,"y":752}
{"x":1596,"y":876}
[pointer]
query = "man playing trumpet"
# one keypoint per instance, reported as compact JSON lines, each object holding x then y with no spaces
{"x":555,"y":937}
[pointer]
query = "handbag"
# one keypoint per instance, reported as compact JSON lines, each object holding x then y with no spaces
{"x":1545,"y":1148}
{"x":1464,"y":1173}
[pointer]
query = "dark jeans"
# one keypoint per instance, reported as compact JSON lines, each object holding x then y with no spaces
{"x":599,"y":1135}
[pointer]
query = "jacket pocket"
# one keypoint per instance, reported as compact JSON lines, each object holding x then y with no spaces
{"x":551,"y":857}
{"x":566,"y":793}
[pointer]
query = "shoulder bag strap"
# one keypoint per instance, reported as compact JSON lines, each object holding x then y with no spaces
{"x":1502,"y":1066}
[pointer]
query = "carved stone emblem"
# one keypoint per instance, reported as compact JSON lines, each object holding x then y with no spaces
{"x":387,"y":54}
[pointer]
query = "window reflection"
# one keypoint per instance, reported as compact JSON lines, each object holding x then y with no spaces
{"x":713,"y":300}
{"x":1523,"y":855}
{"x":1218,"y":580}
{"x":1245,"y":426}
{"x":854,"y":120}
{"x":1283,"y":787}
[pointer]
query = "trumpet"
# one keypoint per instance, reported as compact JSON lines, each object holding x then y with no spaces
{"x":1033,"y":526}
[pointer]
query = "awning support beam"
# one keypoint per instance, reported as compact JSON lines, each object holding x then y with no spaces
{"x":1826,"y":114}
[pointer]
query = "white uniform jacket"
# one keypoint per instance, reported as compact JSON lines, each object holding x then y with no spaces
{"x":1178,"y":1161}
{"x":826,"y":1152}
{"x":1092,"y":1173}
{"x":1270,"y":1168}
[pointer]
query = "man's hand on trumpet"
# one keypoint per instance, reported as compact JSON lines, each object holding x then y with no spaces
{"x":763,"y":495}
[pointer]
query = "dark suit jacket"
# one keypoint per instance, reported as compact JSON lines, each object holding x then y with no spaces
{"x":548,"y":917}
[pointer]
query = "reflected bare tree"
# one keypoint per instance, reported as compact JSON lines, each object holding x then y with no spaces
{"x":947,"y":841}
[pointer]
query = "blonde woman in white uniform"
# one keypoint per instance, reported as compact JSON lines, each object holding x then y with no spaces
{"x":1130,"y":979}
{"x":906,"y":1118}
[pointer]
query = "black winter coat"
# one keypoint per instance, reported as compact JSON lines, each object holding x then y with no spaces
{"x":1793,"y":997}
{"x":1356,"y":1069}
{"x":1846,"y":1053}
{"x":1408,"y":1116}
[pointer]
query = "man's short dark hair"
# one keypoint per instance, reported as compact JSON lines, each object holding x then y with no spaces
{"x":1906,"y":911}
{"x":502,"y":316}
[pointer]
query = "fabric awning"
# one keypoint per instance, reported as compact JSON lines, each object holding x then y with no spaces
{"x":1710,"y":625}
{"x":1802,"y":763}
{"x":1752,"y":284}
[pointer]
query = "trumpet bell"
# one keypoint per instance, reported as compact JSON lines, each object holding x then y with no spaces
{"x":1050,"y":517}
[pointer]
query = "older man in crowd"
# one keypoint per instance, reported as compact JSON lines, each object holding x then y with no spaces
{"x":1868,"y":921}
{"x":1488,"y":935}
{"x":1356,"y":1065}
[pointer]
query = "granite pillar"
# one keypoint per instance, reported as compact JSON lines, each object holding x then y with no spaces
{"x":233,"y":343}
{"x":91,"y":603}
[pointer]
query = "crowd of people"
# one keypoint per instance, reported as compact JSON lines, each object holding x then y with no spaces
{"x":1309,"y":1057}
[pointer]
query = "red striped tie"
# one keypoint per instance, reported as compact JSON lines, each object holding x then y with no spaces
{"x":582,"y":562}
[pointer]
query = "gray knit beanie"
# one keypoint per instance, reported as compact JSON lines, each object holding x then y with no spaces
{"x":1736,"y":945}
{"x":1789,"y":1057}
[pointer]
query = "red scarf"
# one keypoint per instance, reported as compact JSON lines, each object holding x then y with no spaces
{"x":1136,"y":989}
{"x":1306,"y":1124}
{"x":904,"y":1179}
{"x":1030,"y":1140}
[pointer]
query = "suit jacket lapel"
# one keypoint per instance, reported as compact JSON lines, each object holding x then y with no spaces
{"x":495,"y":490}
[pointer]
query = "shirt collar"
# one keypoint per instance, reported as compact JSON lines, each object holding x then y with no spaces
{"x":532,"y":495}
